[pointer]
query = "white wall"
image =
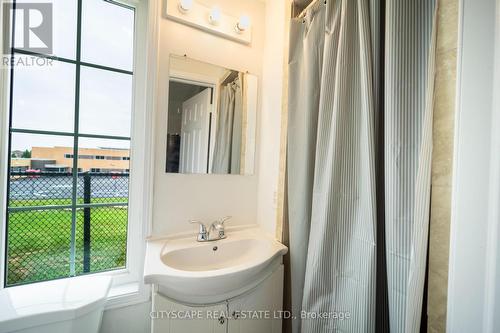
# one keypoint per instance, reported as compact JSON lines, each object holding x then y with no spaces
{"x":178,"y":198}
{"x":467,"y":288}
{"x":270,"y":121}
{"x":249,"y":199}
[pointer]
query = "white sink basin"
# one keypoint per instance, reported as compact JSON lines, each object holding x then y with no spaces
{"x":209,"y":272}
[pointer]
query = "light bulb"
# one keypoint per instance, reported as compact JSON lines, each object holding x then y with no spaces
{"x":243,"y":24}
{"x":215,"y":16}
{"x":185,"y":5}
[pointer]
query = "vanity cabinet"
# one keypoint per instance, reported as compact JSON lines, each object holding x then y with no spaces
{"x":170,"y":317}
{"x":257,"y":310}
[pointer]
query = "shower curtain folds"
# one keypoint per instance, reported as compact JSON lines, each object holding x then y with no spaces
{"x":227,"y":148}
{"x":305,"y":66}
{"x":335,"y":115}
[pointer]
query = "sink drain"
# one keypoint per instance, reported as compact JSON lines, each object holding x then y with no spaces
{"x":215,"y":248}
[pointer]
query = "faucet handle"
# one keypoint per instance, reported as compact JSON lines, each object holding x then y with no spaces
{"x":202,"y":233}
{"x":224,"y":219}
{"x":203,"y":228}
{"x":219,"y":226}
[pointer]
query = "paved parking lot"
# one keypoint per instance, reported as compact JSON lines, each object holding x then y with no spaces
{"x":60,"y":187}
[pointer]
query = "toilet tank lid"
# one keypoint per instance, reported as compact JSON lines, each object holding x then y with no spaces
{"x":53,"y":301}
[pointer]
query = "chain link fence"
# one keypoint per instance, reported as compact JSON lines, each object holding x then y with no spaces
{"x":40,"y":225}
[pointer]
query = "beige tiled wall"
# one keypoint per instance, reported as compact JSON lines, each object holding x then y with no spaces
{"x":444,"y":109}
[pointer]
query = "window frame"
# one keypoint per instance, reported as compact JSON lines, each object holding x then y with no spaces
{"x":127,"y":286}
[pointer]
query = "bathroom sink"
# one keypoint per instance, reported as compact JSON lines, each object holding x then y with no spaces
{"x":225,"y":254}
{"x":209,"y":272}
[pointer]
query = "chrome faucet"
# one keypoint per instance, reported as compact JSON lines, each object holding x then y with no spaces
{"x":217,"y":226}
{"x":203,"y":234}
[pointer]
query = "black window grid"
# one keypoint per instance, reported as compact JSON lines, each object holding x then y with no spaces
{"x":76,"y":204}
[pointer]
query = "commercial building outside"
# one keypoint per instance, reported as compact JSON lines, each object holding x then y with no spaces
{"x":60,"y":159}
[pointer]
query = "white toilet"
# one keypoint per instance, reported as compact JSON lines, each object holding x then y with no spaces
{"x":69,"y":305}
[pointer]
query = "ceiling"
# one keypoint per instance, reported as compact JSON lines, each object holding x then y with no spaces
{"x":183,"y":91}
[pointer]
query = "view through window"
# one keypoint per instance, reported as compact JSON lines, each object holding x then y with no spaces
{"x":69,"y":146}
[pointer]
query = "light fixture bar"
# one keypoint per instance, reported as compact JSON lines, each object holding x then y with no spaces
{"x":210,"y":19}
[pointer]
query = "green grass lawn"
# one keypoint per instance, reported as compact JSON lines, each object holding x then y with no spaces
{"x":39,"y":242}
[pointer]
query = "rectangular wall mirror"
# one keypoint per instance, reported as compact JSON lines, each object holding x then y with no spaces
{"x":212,"y":116}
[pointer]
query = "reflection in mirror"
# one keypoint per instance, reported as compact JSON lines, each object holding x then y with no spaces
{"x":211,"y":119}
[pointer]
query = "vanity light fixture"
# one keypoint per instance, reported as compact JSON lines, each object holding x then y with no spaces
{"x":215,"y":16}
{"x":185,"y":5}
{"x":243,"y":24}
{"x":210,"y":19}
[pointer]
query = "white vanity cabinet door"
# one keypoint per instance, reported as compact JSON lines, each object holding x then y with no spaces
{"x":265,"y":300}
{"x":164,"y":309}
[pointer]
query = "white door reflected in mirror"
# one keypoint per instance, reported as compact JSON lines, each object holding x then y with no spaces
{"x":211,"y":119}
{"x":195,"y":127}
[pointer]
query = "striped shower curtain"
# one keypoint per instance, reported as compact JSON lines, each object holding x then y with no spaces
{"x":360,"y":111}
{"x":227,"y":148}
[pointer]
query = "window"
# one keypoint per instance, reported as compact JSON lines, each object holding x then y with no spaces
{"x":86,"y":157}
{"x":63,"y":221}
{"x":113,"y":158}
